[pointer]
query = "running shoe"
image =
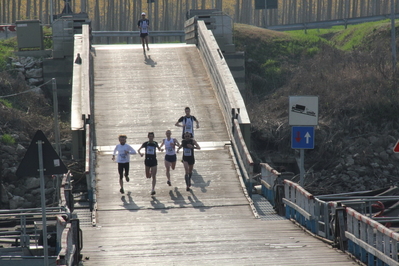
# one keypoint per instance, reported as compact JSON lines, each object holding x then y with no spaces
{"x":187,"y":189}
{"x":153,"y":192}
{"x":168,"y":182}
{"x":122,"y":191}
{"x":127,"y":178}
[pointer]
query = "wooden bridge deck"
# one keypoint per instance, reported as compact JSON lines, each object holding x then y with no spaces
{"x":211,"y":225}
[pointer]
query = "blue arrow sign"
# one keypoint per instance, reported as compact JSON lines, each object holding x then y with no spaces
{"x":302,"y":138}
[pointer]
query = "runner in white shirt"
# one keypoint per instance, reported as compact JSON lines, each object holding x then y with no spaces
{"x":123,"y":151}
{"x":170,"y":153}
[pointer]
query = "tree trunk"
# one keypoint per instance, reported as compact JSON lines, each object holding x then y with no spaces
{"x":35,"y":9}
{"x":27,"y":12}
{"x":97,"y":22}
{"x":237,"y":11}
{"x":13,"y":12}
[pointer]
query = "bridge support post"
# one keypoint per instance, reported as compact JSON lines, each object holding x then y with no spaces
{"x":340,"y":227}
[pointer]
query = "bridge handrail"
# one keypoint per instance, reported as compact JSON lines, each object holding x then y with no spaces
{"x":166,"y":33}
{"x":243,"y":149}
{"x":371,"y":236}
{"x":130,"y":35}
{"x":67,"y":248}
{"x":367,"y":239}
{"x":329,"y":23}
{"x":269,"y":176}
{"x":228,"y":94}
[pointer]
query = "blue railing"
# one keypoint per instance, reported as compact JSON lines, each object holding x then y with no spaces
{"x":353,"y":232}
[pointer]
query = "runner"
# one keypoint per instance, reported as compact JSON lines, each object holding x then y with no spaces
{"x":170,"y":155}
{"x":188,"y":144}
{"x":143,"y":24}
{"x":123,"y":150}
{"x":150,"y":160}
{"x":187,"y":122}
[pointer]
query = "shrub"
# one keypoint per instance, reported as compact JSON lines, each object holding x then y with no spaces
{"x":7,"y":139}
{"x":6,"y":103}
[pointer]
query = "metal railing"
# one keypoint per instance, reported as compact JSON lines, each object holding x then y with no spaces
{"x":228,"y":95}
{"x":359,"y":234}
{"x":328,"y":23}
{"x":134,"y":36}
{"x":370,"y":241}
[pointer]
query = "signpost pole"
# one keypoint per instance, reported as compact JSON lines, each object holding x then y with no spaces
{"x":302,"y":167}
{"x":43,"y":200}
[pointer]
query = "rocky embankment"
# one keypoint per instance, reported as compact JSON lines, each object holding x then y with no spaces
{"x":366,"y":163}
{"x":23,"y":192}
{"x":29,"y":69}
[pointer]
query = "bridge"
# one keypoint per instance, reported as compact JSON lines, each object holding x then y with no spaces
{"x":217,"y":221}
{"x":118,"y":89}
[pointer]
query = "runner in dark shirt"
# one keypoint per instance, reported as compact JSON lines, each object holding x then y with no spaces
{"x":150,"y":160}
{"x":188,"y":144}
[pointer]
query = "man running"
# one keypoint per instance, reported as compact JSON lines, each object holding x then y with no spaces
{"x":143,"y":24}
{"x":170,"y":153}
{"x":123,"y":150}
{"x":188,"y":144}
{"x":150,"y":160}
{"x":187,"y":122}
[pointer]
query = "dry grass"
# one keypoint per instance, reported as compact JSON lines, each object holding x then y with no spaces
{"x":27,"y":112}
{"x":358,"y":94}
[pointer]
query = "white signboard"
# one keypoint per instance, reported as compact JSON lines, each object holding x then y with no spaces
{"x":303,"y":110}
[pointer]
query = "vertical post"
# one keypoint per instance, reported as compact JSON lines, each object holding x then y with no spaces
{"x":56,"y":124}
{"x":393,"y":41}
{"x":265,"y":16}
{"x":43,"y":201}
{"x":302,"y":167}
{"x":51,"y":12}
{"x":56,"y":133}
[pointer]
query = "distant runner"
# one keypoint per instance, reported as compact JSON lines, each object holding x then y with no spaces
{"x":143,"y":24}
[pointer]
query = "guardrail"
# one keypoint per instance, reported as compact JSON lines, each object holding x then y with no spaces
{"x":81,"y":108}
{"x":134,"y":36}
{"x":66,"y":254}
{"x":370,"y":241}
{"x":362,"y":236}
{"x":329,"y":23}
{"x":229,"y":97}
{"x":60,"y":217}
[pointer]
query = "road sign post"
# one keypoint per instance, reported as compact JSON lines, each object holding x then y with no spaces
{"x":43,"y":201}
{"x":303,"y":115}
{"x":302,"y":138}
{"x":41,"y":157}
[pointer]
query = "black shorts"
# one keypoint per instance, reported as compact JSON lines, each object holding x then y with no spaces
{"x":150,"y":162}
{"x":171,"y":158}
{"x":189,"y":159}
{"x":143,"y":35}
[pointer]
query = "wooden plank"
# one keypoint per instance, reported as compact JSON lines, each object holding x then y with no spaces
{"x":213,"y":223}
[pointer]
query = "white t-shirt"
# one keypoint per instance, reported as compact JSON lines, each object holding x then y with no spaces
{"x":123,"y":153}
{"x":170,"y":146}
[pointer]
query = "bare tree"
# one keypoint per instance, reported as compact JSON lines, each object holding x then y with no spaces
{"x":97,"y":22}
